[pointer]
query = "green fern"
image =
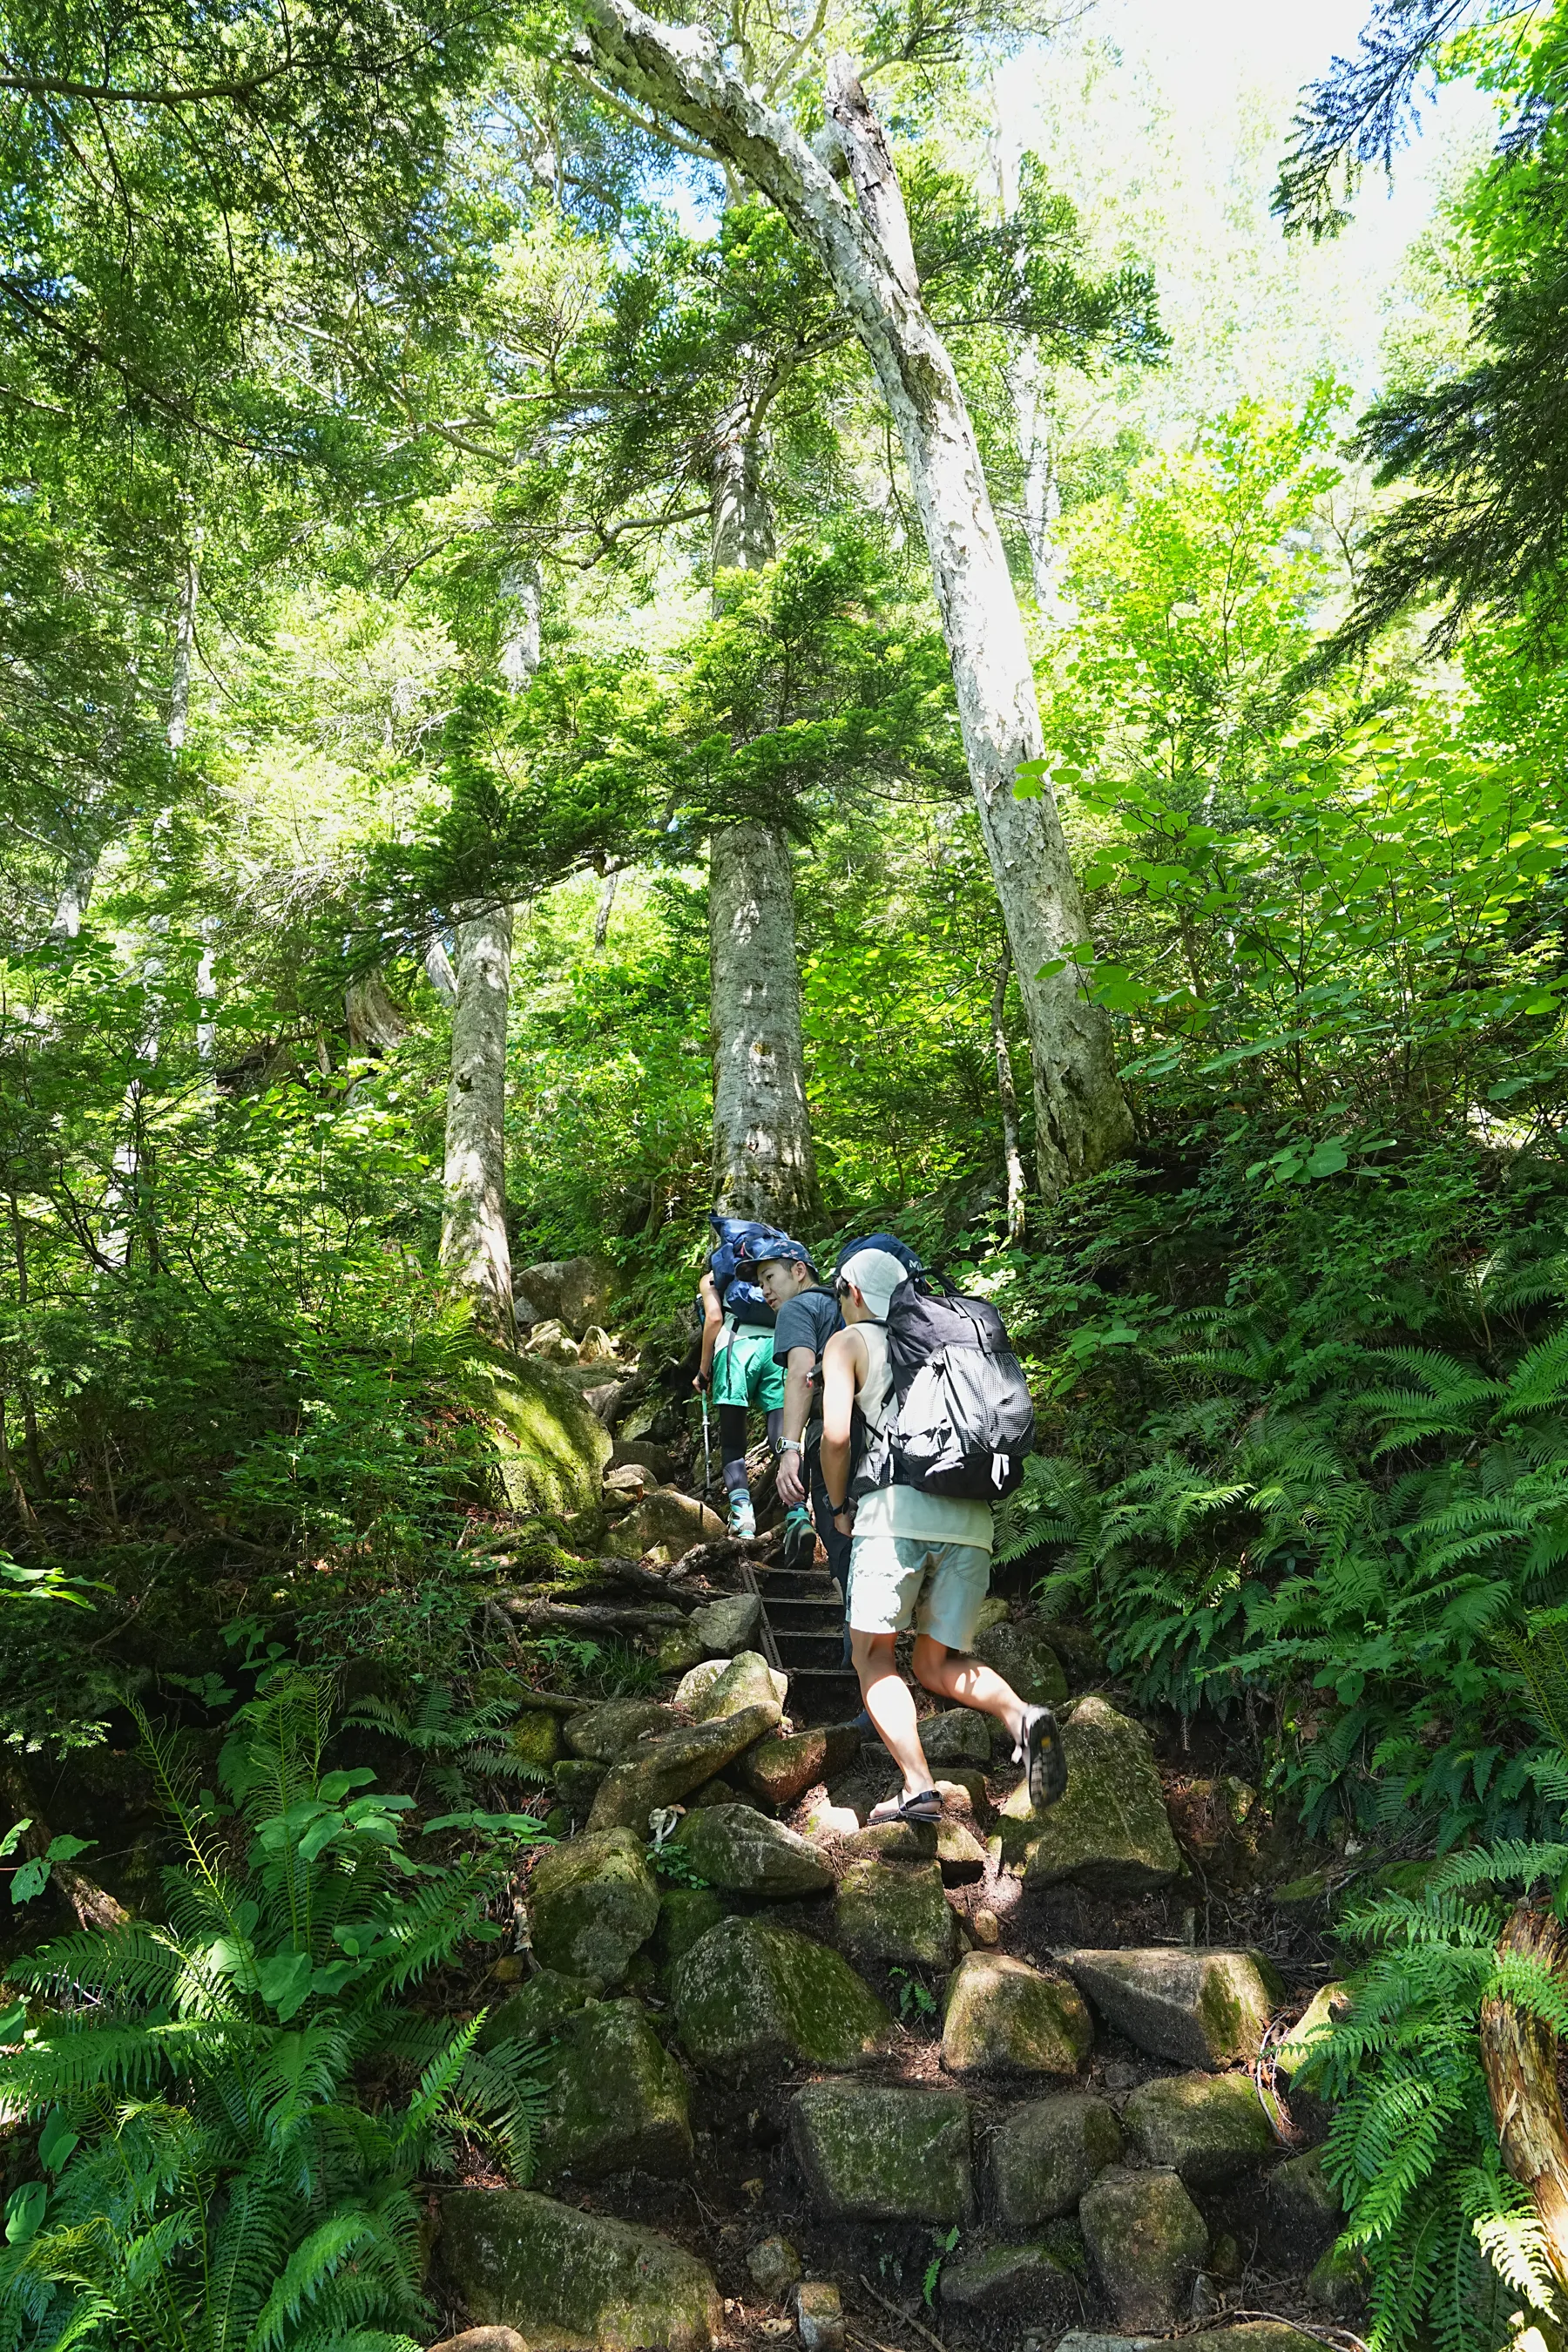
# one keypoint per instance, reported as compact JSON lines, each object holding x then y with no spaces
{"x":222,"y":2188}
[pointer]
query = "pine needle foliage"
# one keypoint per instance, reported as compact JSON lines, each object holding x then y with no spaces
{"x":234,"y":2105}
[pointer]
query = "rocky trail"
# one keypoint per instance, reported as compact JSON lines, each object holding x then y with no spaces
{"x":1006,"y":2081}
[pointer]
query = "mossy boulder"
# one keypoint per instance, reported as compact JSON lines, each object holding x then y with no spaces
{"x":1022,"y":1655}
{"x":1030,"y":2280}
{"x":685,"y":1915}
{"x":535,"y":1738}
{"x":962,"y":1736}
{"x":533,"y":2015}
{"x":618,"y":2099}
{"x":1147,"y":2241}
{"x":785,"y":1767}
{"x":728,"y":1625}
{"x":553,"y":1449}
{"x":1303,"y":2201}
{"x":898,"y":1912}
{"x":1002,"y":2017}
{"x":662,"y":1772}
{"x":739,"y":1849}
{"x":1044,"y":2156}
{"x":752,"y":1997}
{"x":592,"y":1905}
{"x":576,"y":1780}
{"x":873,"y":2153}
{"x":666,"y":1515}
{"x":576,"y":1291}
{"x":1207,"y":2127}
{"x":746,"y":1681}
{"x":604,"y":1733}
{"x":1109,"y":1832}
{"x":547,"y":2270}
{"x":1197,"y":2008}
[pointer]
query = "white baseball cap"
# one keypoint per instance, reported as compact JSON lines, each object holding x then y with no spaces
{"x":876,"y":1274}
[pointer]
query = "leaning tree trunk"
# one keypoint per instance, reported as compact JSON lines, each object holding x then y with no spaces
{"x":1518,"y":2056}
{"x":476,"y":1254}
{"x":764,"y":1163}
{"x":1081,"y":1117}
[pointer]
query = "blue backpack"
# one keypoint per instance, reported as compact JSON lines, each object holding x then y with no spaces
{"x":889,"y":1241}
{"x":740,"y":1238}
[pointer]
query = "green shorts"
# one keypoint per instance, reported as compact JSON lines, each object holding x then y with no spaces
{"x":744,"y":1372}
{"x":897,"y":1581}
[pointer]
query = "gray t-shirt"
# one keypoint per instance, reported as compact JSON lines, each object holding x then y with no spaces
{"x":807,"y":1320}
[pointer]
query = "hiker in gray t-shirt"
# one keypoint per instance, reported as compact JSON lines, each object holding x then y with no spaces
{"x":805,"y":1317}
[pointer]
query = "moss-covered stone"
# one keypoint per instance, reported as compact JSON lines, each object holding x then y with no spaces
{"x":725,"y":1626}
{"x":1022,"y":1655}
{"x":1044,"y":2155}
{"x":959,"y":1737}
{"x":751,"y":1996}
{"x":782,"y":1768}
{"x":535,"y":1738}
{"x":891,"y":1841}
{"x":1340,"y":2280}
{"x":696,"y":1682}
{"x":1303,"y":2201}
{"x":550,"y":2271}
{"x":1197,"y":2008}
{"x":604,"y":1733}
{"x":685,"y":1915}
{"x":666,"y":1515}
{"x":959,"y":1852}
{"x":662,"y":1772}
{"x":1002,"y":2017}
{"x":1328,"y":2005}
{"x":618,"y":2099}
{"x":576,"y":1780}
{"x":533,"y":2014}
{"x":590,"y":1904}
{"x":1147,"y":2241}
{"x":678,"y":1650}
{"x":1207,"y":2127}
{"x":1109,"y":1832}
{"x":872,"y":2153}
{"x":897,"y":1911}
{"x":1030,"y":2280}
{"x":736,"y":1847}
{"x":552,"y":1450}
{"x":747,"y":1681}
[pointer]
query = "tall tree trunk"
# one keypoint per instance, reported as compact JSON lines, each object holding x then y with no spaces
{"x":1007,"y":1095}
{"x":763,"y":1162}
{"x":605,"y":906}
{"x":1518,"y":2058}
{"x":476,"y":1252}
{"x":1081,"y":1116}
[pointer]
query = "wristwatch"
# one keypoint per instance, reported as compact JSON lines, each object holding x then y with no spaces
{"x":790,"y":1445}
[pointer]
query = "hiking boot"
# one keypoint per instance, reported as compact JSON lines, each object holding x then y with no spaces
{"x":742,"y":1518}
{"x":799,"y":1537}
{"x":1039,"y":1750}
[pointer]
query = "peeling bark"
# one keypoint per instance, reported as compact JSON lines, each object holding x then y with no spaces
{"x":1518,"y":2056}
{"x":1081,"y":1113}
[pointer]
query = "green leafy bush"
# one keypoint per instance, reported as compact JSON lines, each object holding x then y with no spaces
{"x":234,"y":2107}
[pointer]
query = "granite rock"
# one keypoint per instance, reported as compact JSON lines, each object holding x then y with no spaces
{"x":1044,"y":2156}
{"x":592,"y":1905}
{"x":663,"y":1772}
{"x":1109,"y":1832}
{"x":1147,"y":2241}
{"x":738,"y":1849}
{"x":751,"y":1997}
{"x":1197,"y":2008}
{"x":1002,"y":2017}
{"x":873,"y":2153}
{"x":897,"y":1912}
{"x":530,"y":2263}
{"x":1207,"y":2127}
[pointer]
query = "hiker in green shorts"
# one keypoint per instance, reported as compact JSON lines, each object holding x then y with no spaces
{"x":737,"y":1359}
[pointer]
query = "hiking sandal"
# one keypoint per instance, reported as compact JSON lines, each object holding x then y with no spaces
{"x":1039,"y":1750}
{"x":925,"y":1805}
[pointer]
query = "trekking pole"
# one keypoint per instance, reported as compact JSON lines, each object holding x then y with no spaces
{"x":707,"y":1456}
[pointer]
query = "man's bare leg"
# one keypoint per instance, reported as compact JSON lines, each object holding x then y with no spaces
{"x":890,"y":1704}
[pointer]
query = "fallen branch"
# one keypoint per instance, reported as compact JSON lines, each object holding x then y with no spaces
{"x":1519,"y":2055}
{"x":902,"y":2317}
{"x":584,"y":1617}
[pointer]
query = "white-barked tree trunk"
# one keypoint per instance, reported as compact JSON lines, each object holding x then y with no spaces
{"x":1081,"y":1116}
{"x":476,"y":1252}
{"x":763,"y":1162}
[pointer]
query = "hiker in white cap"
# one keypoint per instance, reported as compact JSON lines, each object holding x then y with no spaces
{"x":917,"y":1558}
